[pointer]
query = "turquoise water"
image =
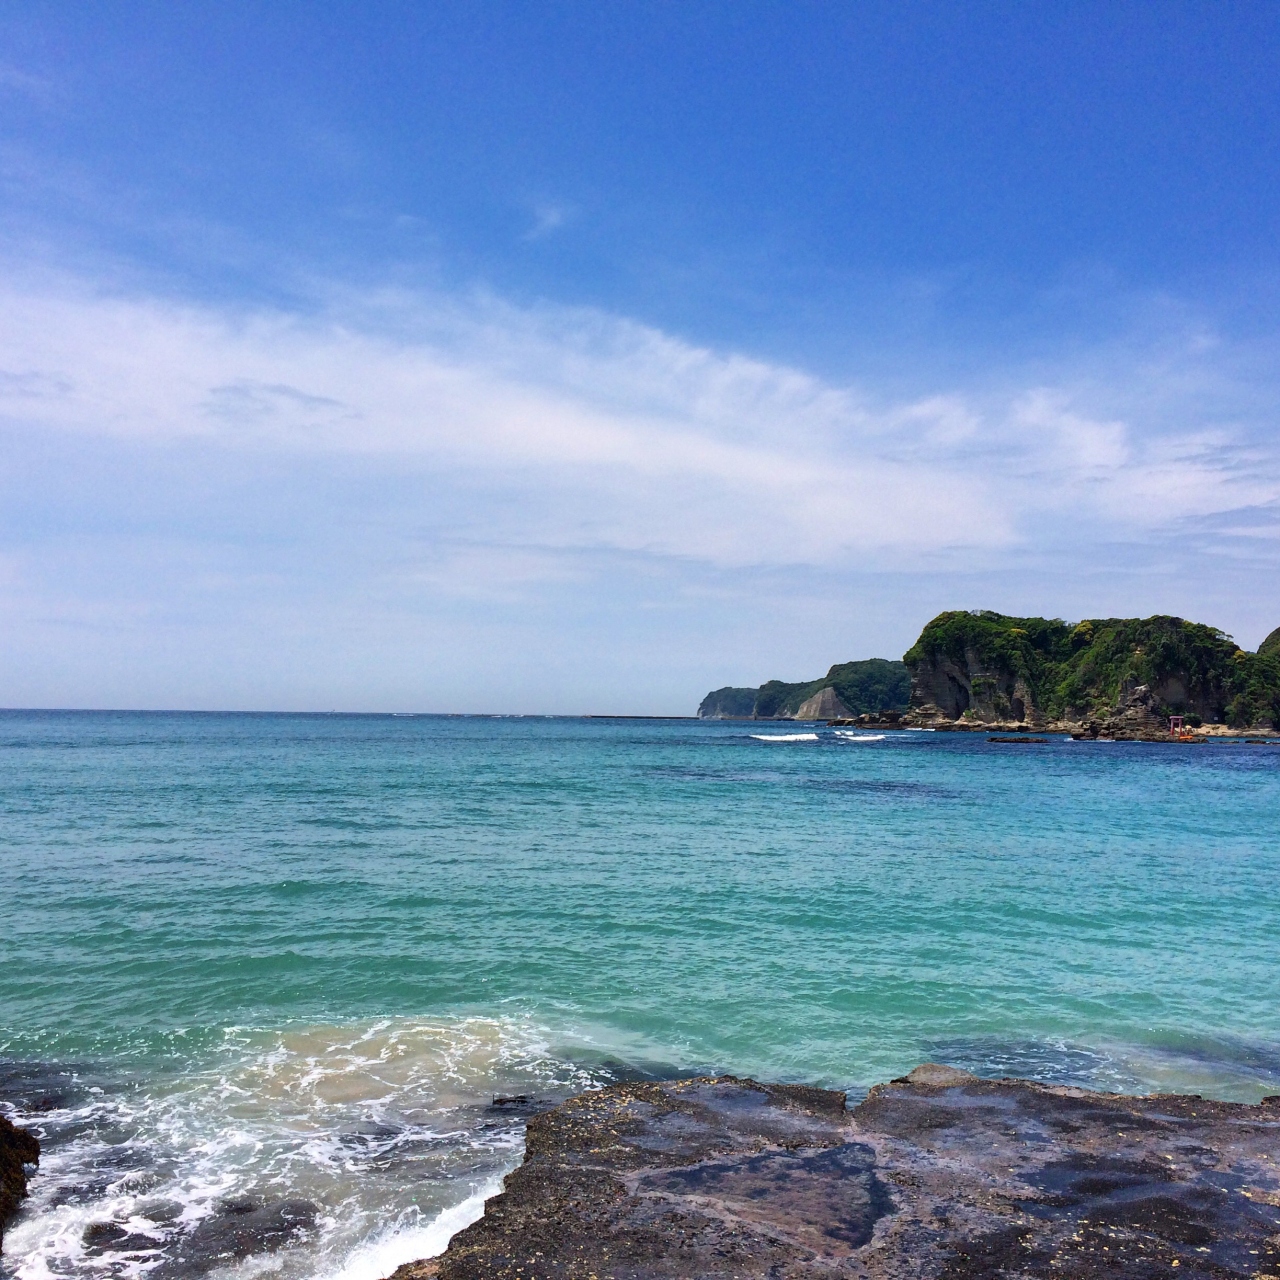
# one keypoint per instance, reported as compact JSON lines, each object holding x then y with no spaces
{"x":303,"y":929}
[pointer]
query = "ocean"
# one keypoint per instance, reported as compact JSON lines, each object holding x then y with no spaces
{"x":278,"y":991}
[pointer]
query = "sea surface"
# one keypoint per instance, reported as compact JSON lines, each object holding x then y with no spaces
{"x":279,"y":991}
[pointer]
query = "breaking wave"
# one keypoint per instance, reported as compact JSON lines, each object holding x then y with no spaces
{"x":334,"y":1151}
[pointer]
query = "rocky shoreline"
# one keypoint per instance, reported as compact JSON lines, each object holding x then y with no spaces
{"x":938,"y":1174}
{"x":1136,"y":719}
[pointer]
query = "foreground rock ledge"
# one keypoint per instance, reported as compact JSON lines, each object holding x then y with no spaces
{"x":939,"y":1174}
{"x":18,"y":1149}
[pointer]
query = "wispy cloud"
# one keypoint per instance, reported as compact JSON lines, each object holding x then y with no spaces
{"x":611,"y":433}
{"x":548,"y":216}
{"x":387,"y":453}
{"x":27,"y":84}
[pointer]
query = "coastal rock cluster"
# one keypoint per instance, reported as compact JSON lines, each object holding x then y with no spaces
{"x":936,"y":1175}
{"x":18,"y":1149}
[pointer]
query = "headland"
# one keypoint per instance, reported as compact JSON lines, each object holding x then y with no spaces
{"x":1157,"y":679}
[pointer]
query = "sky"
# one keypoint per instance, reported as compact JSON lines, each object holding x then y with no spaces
{"x":566,"y":357}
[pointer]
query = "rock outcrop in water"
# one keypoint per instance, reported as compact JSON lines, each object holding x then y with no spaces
{"x":937,"y":1175}
{"x":1123,"y":676}
{"x":18,"y":1148}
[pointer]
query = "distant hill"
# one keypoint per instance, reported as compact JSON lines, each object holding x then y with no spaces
{"x":990,"y":668}
{"x":872,"y":685}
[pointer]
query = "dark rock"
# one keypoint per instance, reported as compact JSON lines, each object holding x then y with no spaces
{"x":425,"y":1269}
{"x":111,"y":1237}
{"x":1136,"y":715}
{"x":240,"y":1228}
{"x":33,"y":1087}
{"x":939,"y":1174}
{"x":946,"y":687}
{"x":18,"y":1148}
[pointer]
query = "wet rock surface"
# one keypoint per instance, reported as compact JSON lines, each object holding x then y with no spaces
{"x":940,"y":1174}
{"x":240,"y":1228}
{"x":18,"y":1149}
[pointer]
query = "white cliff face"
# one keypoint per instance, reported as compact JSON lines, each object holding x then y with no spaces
{"x":824,"y":705}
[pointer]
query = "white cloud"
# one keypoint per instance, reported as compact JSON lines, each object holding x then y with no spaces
{"x":642,"y":442}
{"x":323,"y":497}
{"x":588,"y":431}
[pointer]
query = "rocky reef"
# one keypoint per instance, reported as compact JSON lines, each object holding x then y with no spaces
{"x":18,"y":1148}
{"x":1110,"y":677}
{"x":873,"y":685}
{"x":939,"y":1174}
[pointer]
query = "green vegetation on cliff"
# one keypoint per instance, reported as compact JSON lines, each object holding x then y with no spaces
{"x":872,"y":685}
{"x":1079,"y":671}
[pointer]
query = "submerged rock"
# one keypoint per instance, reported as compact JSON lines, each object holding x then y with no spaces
{"x":18,"y":1148}
{"x":939,"y":1174}
{"x":239,"y":1228}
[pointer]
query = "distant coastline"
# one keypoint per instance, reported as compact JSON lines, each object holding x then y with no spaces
{"x":1153,"y":679}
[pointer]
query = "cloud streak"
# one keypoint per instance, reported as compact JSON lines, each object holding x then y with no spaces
{"x":386,"y":464}
{"x":593,"y":432}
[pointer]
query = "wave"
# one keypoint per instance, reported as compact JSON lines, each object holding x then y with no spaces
{"x":847,"y":736}
{"x":380,"y":1255}
{"x":785,"y":737}
{"x":331,"y":1151}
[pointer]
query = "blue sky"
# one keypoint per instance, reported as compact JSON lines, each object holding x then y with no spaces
{"x":561,"y":358}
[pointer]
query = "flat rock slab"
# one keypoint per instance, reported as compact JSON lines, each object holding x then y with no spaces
{"x":939,"y":1174}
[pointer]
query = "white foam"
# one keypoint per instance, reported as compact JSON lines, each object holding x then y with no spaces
{"x":380,"y":1255}
{"x":860,"y":737}
{"x":380,"y":1124}
{"x":785,"y":737}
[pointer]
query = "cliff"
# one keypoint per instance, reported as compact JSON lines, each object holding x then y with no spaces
{"x":937,"y":1176}
{"x":848,"y":689}
{"x":1120,"y":675}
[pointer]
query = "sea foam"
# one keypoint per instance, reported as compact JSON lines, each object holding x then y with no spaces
{"x":341,"y":1150}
